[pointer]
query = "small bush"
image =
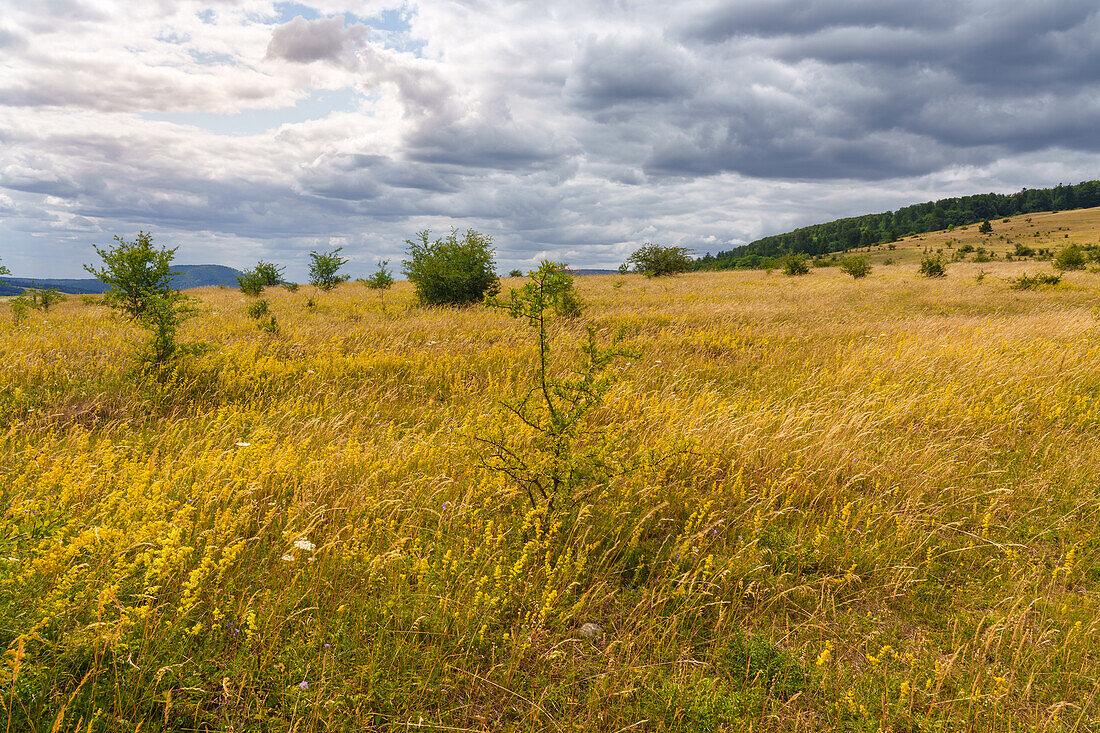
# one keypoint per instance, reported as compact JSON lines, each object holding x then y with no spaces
{"x":258,"y":309}
{"x":40,"y":300}
{"x":140,"y":280}
{"x":1035,"y":282}
{"x":324,"y":269}
{"x":268,"y":325}
{"x":380,"y":281}
{"x":251,"y":283}
{"x":1070,"y":258}
{"x":269,"y":272}
{"x":655,"y":260}
{"x":453,"y":270}
{"x":933,"y":266}
{"x":795,"y":264}
{"x":515,"y":273}
{"x":857,"y":267}
{"x":291,"y":287}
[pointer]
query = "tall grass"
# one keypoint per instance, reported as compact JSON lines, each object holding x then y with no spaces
{"x":852,"y":505}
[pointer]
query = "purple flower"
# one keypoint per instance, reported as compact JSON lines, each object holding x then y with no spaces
{"x":304,"y":685}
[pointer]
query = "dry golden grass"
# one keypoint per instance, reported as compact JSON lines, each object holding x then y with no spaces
{"x":1043,"y":229}
{"x":860,"y":505}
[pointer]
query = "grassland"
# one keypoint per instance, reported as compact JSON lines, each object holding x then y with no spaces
{"x":856,"y":505}
{"x":1039,"y":230}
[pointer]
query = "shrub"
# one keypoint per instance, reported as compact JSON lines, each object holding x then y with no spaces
{"x":291,"y":287}
{"x":515,"y":273}
{"x":251,"y":283}
{"x":655,"y":260}
{"x":381,"y":281}
{"x":933,"y":266}
{"x":269,"y":272}
{"x":795,"y":264}
{"x":556,"y":450}
{"x":140,"y":280}
{"x":857,"y":267}
{"x":1070,"y":258}
{"x":39,"y":299}
{"x":258,"y":309}
{"x":324,"y":269}
{"x":268,"y":325}
{"x":1034,"y":282}
{"x":986,"y":227}
{"x":453,"y":270}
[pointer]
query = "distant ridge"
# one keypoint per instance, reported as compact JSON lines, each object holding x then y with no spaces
{"x":190,"y":276}
{"x":862,"y":231}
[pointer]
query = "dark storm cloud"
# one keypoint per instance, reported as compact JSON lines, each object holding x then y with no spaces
{"x":874,"y":90}
{"x":766,"y":18}
{"x":609,"y":72}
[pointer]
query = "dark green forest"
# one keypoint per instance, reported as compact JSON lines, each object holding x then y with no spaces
{"x":864,"y":231}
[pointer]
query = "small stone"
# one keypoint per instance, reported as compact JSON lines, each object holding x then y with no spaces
{"x":591,"y":631}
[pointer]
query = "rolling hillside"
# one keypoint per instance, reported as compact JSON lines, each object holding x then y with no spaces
{"x":190,"y":276}
{"x":861,"y":232}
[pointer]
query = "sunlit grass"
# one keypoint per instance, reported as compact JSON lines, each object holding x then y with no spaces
{"x":853,"y":505}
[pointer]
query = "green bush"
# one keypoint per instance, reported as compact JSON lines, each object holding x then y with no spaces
{"x":39,"y":299}
{"x":264,"y":274}
{"x":381,"y":281}
{"x":258,"y":309}
{"x":857,"y":266}
{"x":795,"y":264}
{"x":269,"y":272}
{"x":553,"y":446}
{"x":453,"y":270}
{"x":251,"y":283}
{"x":140,"y":280}
{"x":1034,"y":282}
{"x":655,"y":260}
{"x":268,"y":325}
{"x":1070,"y":258}
{"x":933,"y":266}
{"x":324,"y":269}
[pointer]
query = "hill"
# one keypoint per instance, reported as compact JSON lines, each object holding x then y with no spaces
{"x":865,"y":231}
{"x":190,"y":276}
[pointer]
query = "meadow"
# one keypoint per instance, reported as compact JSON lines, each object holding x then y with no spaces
{"x":863,"y":505}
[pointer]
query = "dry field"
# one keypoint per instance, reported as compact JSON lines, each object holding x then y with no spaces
{"x":842,"y":505}
{"x":1043,"y":229}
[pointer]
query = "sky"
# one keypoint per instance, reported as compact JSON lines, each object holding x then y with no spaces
{"x":240,"y":130}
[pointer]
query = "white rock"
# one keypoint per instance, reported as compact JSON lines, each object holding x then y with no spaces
{"x":591,"y":631}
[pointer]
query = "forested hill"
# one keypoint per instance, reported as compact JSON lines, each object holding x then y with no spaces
{"x":189,"y":276}
{"x":863,"y":231}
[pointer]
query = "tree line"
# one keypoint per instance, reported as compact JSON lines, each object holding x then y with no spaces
{"x":855,"y":232}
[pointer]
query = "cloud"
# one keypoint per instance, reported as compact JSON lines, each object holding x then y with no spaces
{"x":324,"y":39}
{"x":573,"y":130}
